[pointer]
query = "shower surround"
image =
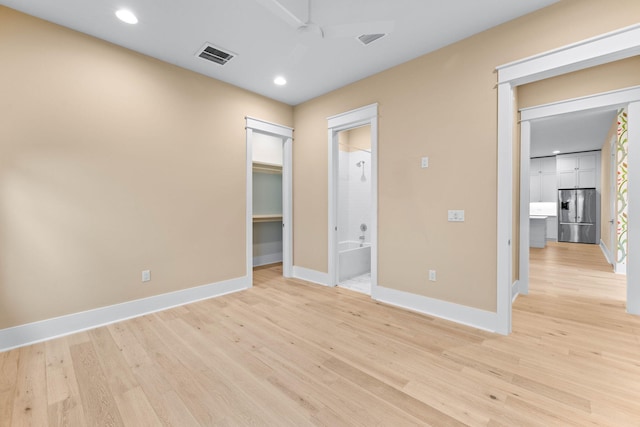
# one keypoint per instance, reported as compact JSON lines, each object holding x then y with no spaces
{"x":354,"y":201}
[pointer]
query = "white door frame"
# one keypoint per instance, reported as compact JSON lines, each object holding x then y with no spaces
{"x":613,"y":100}
{"x":613,"y":204}
{"x":286,"y":134}
{"x":367,"y":115}
{"x":610,"y":47}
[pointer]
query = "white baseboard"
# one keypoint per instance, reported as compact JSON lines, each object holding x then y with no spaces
{"x":470,"y":316}
{"x":515,"y":290}
{"x":267,"y":259}
{"x":31,"y":333}
{"x":311,"y":275}
{"x":621,"y":268}
{"x":607,"y":253}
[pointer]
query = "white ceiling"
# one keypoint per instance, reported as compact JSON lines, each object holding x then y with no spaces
{"x":267,"y":45}
{"x":570,"y":133}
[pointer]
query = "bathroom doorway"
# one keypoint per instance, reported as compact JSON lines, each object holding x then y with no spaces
{"x":353,"y":183}
{"x":354,"y":209}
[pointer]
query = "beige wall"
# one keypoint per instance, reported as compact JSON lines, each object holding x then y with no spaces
{"x":113,"y":162}
{"x":355,"y":139}
{"x":604,"y":78}
{"x":107,"y":169}
{"x":442,"y":105}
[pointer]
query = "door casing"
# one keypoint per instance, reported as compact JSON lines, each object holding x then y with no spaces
{"x":620,"y":44}
{"x":286,"y":135}
{"x":367,"y":115}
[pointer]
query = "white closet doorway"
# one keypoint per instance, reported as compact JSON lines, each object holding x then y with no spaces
{"x":269,"y":191}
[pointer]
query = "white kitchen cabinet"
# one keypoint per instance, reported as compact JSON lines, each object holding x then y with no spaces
{"x":542,"y":180}
{"x":579,"y":170}
{"x":552,"y":228}
{"x":535,"y":190}
{"x":549,"y":191}
{"x":537,"y":231}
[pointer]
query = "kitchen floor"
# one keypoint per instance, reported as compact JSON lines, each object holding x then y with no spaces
{"x":574,"y":271}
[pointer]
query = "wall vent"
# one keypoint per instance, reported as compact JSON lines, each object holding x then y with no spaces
{"x":366,"y":39}
{"x":215,"y":54}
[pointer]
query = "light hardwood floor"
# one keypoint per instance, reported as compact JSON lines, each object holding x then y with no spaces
{"x":294,"y":354}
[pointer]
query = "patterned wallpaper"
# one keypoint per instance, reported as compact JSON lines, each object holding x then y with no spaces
{"x":621,"y":186}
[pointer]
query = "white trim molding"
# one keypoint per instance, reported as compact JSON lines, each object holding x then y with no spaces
{"x":516,"y":288}
{"x":312,"y":276}
{"x":633,"y":206}
{"x":354,"y":118}
{"x":606,"y":48}
{"x":525,"y":210}
{"x":31,"y":333}
{"x":605,"y":101}
{"x":607,"y":254}
{"x":504,"y":214}
{"x":260,"y":260}
{"x":268,"y":127}
{"x":609,"y":47}
{"x":286,"y":134}
{"x":480,"y":319}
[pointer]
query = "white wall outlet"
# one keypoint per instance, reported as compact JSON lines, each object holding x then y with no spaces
{"x":432,"y":275}
{"x":455,"y":216}
{"x":146,"y":275}
{"x":424,"y":162}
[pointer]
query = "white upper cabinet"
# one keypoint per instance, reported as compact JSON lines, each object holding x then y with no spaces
{"x":578,"y":170}
{"x":535,"y":190}
{"x":548,"y":165}
{"x":542,"y":180}
{"x":549,"y":191}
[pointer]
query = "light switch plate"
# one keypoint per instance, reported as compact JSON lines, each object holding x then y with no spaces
{"x":424,"y":162}
{"x":455,"y":215}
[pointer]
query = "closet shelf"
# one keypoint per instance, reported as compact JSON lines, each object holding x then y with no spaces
{"x":267,"y":167}
{"x":267,"y":218}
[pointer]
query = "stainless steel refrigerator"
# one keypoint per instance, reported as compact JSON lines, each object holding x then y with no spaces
{"x":577,"y":215}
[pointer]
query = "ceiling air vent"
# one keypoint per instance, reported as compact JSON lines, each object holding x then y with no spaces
{"x":215,"y":54}
{"x":366,"y":39}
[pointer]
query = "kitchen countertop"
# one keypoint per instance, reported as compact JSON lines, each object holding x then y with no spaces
{"x":538,"y":216}
{"x":543,"y":209}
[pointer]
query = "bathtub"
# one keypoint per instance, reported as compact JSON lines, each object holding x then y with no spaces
{"x":353,"y":260}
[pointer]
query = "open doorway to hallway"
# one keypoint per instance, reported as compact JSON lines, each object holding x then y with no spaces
{"x":599,"y":170}
{"x":570,"y":180}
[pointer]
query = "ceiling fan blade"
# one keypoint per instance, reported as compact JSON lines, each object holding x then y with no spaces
{"x":358,"y":29}
{"x":293,"y":12}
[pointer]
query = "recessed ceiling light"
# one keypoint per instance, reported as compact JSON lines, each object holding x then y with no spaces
{"x":556,"y":152}
{"x":280,"y":81}
{"x":127,"y":16}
